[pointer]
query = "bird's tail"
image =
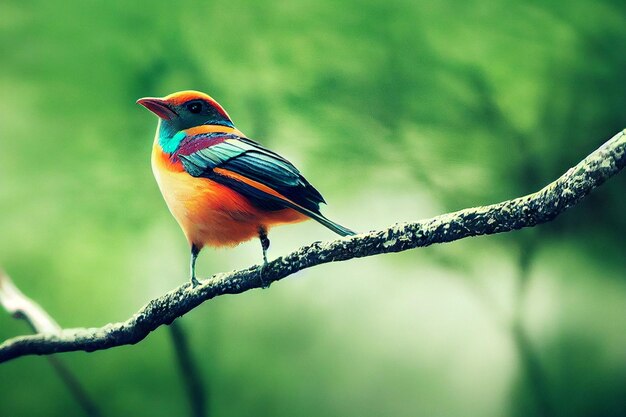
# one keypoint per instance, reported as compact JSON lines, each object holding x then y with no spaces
{"x":315,"y":215}
{"x":337,"y":228}
{"x":319,"y":217}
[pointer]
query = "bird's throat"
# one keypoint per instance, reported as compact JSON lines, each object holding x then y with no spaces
{"x":169,"y":136}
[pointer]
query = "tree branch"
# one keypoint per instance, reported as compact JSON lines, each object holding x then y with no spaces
{"x":526,"y":211}
{"x":22,"y":307}
{"x":192,"y":379}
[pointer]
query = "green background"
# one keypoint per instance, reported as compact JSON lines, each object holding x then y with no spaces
{"x":395,"y":111}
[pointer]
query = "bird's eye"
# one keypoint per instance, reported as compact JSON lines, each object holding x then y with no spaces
{"x":194,"y":107}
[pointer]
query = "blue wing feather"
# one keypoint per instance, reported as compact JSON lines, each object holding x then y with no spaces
{"x":251,"y":160}
{"x":201,"y":154}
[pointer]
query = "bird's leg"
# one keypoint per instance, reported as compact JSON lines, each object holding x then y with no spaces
{"x":194,"y":255}
{"x":265,"y":245}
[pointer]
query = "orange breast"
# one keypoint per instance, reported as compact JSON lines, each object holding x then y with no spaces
{"x":210,"y":213}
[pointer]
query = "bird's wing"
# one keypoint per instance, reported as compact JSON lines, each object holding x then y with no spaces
{"x":267,"y":179}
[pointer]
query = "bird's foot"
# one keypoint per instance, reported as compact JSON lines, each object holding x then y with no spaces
{"x":265,"y":244}
{"x":194,"y":282}
{"x":264,"y":284}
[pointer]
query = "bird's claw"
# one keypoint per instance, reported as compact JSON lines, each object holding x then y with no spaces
{"x":264,"y":284}
{"x":194,"y":282}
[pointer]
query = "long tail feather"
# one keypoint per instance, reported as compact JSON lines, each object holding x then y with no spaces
{"x":318,"y":217}
{"x":337,"y":228}
{"x":263,"y":197}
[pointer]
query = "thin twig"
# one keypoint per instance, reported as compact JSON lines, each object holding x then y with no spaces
{"x":75,"y":387}
{"x":192,"y":379}
{"x":533,"y":369}
{"x":535,"y":373}
{"x":531,"y":210}
{"x":22,"y":307}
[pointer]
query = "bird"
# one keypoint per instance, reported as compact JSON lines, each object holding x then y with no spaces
{"x":222,"y":187}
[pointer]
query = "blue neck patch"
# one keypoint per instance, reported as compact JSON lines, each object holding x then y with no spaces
{"x":169,"y":139}
{"x":171,"y":133}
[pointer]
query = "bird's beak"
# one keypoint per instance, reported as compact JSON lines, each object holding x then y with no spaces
{"x":158,"y":106}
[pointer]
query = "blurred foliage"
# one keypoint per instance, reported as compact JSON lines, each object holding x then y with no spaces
{"x":395,"y":110}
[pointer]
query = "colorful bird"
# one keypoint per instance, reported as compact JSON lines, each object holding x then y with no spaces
{"x":221,"y":187}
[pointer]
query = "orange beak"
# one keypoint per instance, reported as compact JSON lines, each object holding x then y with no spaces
{"x":158,"y":106}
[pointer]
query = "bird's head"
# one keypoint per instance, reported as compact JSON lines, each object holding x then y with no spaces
{"x":186,"y":109}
